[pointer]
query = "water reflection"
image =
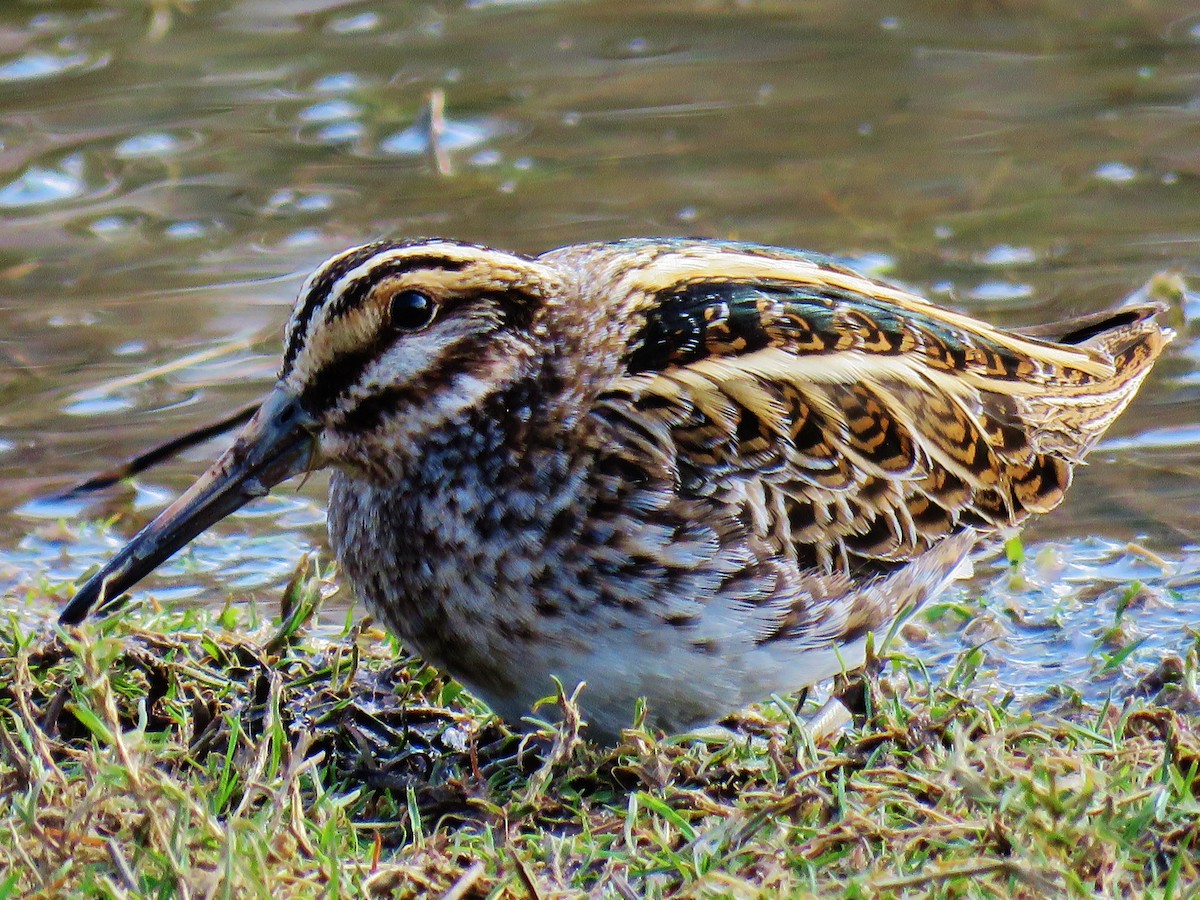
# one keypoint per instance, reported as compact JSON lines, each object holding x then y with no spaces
{"x":37,"y":64}
{"x":40,"y":185}
{"x":168,"y":177}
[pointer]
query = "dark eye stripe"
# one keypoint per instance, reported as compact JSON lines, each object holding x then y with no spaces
{"x":357,"y":291}
{"x":514,"y":307}
{"x":348,"y":368}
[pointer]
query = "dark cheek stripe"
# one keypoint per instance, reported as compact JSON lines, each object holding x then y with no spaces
{"x":367,"y":415}
{"x":369,"y":412}
{"x":342,"y":374}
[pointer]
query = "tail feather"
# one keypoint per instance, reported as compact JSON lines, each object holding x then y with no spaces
{"x":1070,"y":421}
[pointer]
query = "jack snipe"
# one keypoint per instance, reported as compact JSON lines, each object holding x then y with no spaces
{"x":697,"y":472}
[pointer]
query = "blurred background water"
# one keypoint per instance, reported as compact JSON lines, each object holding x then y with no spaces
{"x":171,"y":169}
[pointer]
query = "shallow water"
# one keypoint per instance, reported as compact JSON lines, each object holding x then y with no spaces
{"x":169,"y":172}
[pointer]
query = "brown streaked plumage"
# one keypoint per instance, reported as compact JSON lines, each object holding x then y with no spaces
{"x":693,"y":471}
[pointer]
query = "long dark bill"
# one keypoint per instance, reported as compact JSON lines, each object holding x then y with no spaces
{"x":276,"y":444}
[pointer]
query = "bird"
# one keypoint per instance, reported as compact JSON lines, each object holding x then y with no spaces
{"x":696,"y":472}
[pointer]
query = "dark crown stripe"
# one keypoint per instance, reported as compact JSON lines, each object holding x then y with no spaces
{"x":359,"y":289}
{"x":336,"y":268}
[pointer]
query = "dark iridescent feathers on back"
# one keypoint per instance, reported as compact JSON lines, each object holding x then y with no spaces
{"x":877,"y":424}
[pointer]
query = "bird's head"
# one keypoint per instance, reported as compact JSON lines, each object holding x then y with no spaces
{"x":387,"y":342}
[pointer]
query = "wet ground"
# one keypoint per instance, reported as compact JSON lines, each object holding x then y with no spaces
{"x":170,"y":171}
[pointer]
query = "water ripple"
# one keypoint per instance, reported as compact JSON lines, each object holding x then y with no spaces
{"x":995,"y":291}
{"x":1115,"y":173}
{"x":36,"y":64}
{"x":148,"y":144}
{"x":40,"y":185}
{"x":458,"y":134}
{"x":1005,"y":255}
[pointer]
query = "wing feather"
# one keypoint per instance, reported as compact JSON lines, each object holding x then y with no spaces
{"x":876,"y":423}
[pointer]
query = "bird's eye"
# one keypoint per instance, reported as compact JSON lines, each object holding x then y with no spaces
{"x":411,"y":310}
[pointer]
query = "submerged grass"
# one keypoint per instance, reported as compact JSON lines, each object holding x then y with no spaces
{"x":215,"y":754}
